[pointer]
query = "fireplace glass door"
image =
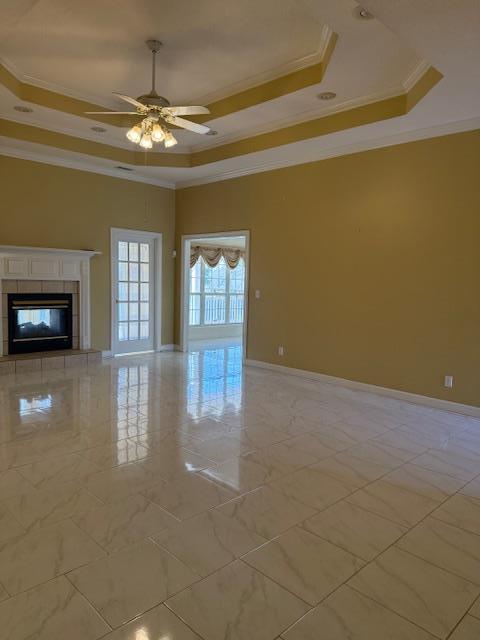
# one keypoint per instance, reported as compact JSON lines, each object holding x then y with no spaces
{"x":39,"y":322}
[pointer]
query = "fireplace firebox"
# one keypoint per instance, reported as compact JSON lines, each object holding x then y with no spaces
{"x":39,"y":322}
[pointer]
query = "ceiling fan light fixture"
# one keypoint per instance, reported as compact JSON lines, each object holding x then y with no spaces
{"x":158,"y":133}
{"x":135,"y":134}
{"x":146,"y":141}
{"x":170,"y":140}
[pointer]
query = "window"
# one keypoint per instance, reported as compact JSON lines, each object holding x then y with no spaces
{"x":216,"y":294}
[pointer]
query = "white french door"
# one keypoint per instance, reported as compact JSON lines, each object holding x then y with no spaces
{"x":133,"y":289}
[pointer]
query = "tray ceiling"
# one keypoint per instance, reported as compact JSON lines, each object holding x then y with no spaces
{"x":237,"y":57}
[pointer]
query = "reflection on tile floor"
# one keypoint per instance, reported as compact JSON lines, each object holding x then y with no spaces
{"x":181,"y":496}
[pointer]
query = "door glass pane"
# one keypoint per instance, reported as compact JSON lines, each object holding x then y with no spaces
{"x":144,"y":272}
{"x":133,"y":330}
{"x":144,"y":310}
{"x":143,"y":330}
{"x":122,"y":271}
{"x":144,"y":292}
{"x":144,"y":252}
{"x":133,"y":251}
{"x":123,"y":311}
{"x":122,"y":291}
{"x":133,"y":271}
{"x":123,"y":331}
{"x":133,"y":311}
{"x":215,"y":307}
{"x":133,"y":294}
{"x":122,"y":251}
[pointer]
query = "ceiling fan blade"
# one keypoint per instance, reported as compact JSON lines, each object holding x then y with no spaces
{"x":187,"y":111}
{"x":112,"y":113}
{"x":136,"y":103}
{"x":186,"y":124}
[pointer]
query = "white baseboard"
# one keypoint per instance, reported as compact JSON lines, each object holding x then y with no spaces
{"x":414,"y":398}
{"x":167,"y":347}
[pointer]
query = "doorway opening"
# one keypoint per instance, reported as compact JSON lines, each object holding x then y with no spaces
{"x":215,"y":283}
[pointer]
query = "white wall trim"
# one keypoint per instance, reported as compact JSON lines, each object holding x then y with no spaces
{"x":185,"y":270}
{"x":323,"y":154}
{"x":167,"y":347}
{"x":414,"y":398}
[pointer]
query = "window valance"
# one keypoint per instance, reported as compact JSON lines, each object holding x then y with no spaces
{"x":213,"y":255}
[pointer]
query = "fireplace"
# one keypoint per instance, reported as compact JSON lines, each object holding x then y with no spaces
{"x":39,"y":322}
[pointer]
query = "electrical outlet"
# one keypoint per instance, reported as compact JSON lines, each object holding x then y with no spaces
{"x":257,"y":294}
{"x":281,"y":350}
{"x":448,"y":382}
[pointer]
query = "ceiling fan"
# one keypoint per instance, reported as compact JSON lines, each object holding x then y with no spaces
{"x":157,"y":113}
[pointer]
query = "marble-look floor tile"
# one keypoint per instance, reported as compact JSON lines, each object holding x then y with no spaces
{"x":3,"y":593}
{"x":380,"y":454}
{"x":240,"y":474}
{"x":172,"y":463}
{"x":446,"y":546}
{"x":43,"y":507}
{"x":42,"y":554}
{"x":348,"y":614}
{"x":266,"y":511}
{"x":209,"y":541}
{"x":188,"y":495}
{"x":260,"y":435}
{"x":47,"y":611}
{"x":220,"y":449}
{"x":313,"y":488}
{"x":48,"y":474}
{"x":237,"y":602}
{"x":157,"y":624}
{"x":130,"y":582}
{"x":280,"y":459}
{"x":12,"y":483}
{"x":124,"y":522}
{"x":311,"y":444}
{"x":351,"y":471}
{"x":303,"y":563}
{"x":360,"y":532}
{"x":472,"y":489}
{"x":426,"y":595}
{"x":461,"y":511}
{"x":114,"y":484}
{"x":9,"y":526}
{"x":468,"y":629}
{"x":430,"y":484}
{"x":115,"y":454}
{"x":394,"y":503}
{"x":456,"y":466}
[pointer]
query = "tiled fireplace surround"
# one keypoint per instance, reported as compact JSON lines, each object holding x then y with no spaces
{"x":45,"y":270}
{"x":40,"y":286}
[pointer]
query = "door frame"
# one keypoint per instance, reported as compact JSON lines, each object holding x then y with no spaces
{"x":157,"y":238}
{"x":184,"y":282}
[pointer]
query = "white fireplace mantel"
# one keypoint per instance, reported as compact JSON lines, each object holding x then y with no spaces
{"x":42,"y":263}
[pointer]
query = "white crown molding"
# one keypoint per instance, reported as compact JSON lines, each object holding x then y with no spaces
{"x":55,"y":88}
{"x":414,"y":76}
{"x":406,"y":396}
{"x":323,"y":154}
{"x":267,"y":76}
{"x":36,"y":156}
{"x":303,"y":116}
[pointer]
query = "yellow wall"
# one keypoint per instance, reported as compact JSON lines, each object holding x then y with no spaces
{"x":368,"y":264}
{"x":43,"y":205}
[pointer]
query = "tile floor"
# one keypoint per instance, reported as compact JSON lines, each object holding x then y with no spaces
{"x":177,"y":496}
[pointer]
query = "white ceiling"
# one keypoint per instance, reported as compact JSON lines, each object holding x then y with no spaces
{"x":91,"y":48}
